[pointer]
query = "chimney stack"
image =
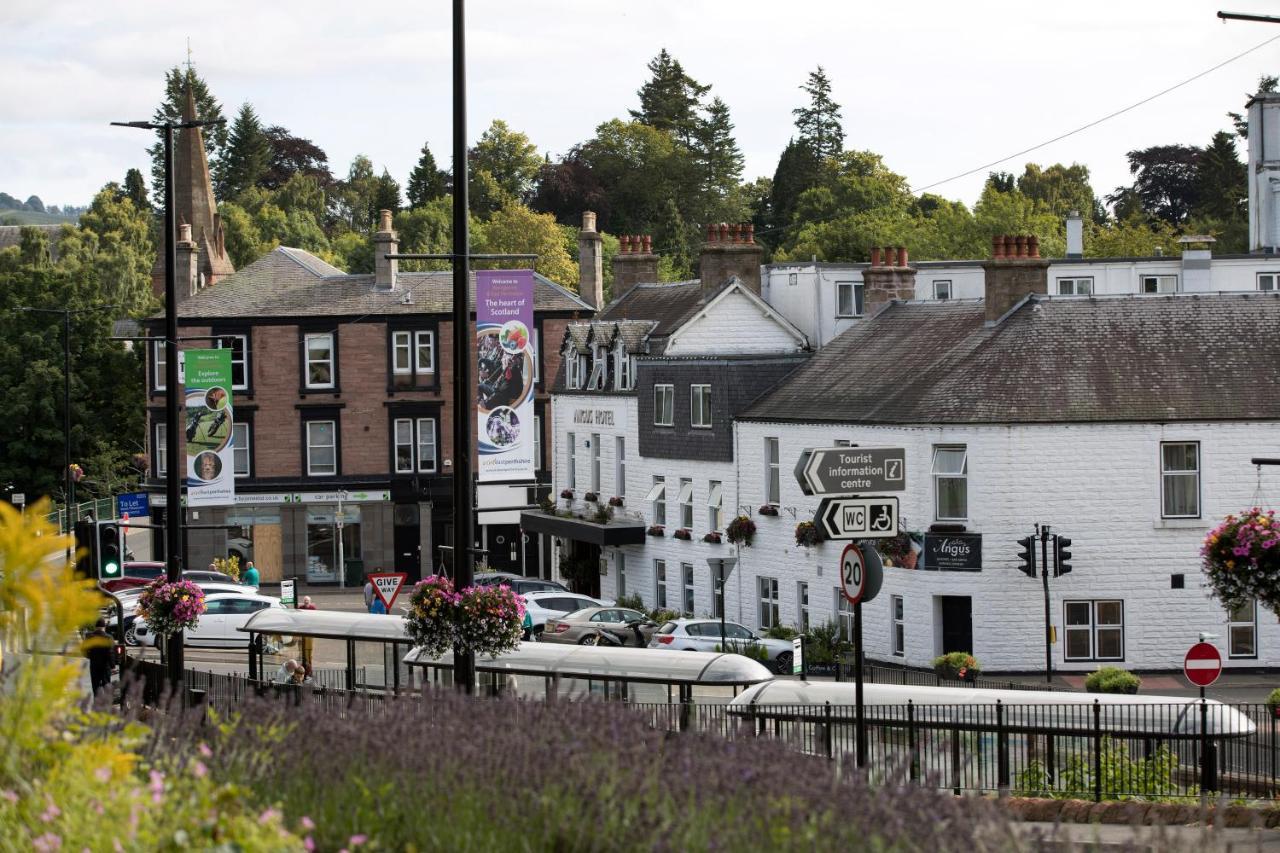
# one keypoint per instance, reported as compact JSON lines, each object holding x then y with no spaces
{"x":187,"y":272}
{"x":1075,"y":235}
{"x":1015,"y":270}
{"x":730,"y":250}
{"x":634,"y":264}
{"x":385,"y":242}
{"x":888,"y":278}
{"x":590,"y":262}
{"x":1197,"y":253}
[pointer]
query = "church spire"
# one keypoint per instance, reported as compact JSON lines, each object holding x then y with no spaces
{"x":195,"y":205}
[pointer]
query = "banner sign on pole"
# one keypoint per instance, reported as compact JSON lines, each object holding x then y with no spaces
{"x":209,"y":433}
{"x":386,"y":585}
{"x":504,"y":361}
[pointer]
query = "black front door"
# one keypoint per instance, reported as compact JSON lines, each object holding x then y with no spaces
{"x":407,"y":540}
{"x":957,"y":624}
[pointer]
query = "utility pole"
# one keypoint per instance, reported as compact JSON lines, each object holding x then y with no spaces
{"x":1042,"y":531}
{"x":174,"y":513}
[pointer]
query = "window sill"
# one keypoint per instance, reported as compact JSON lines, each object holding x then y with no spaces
{"x":1179,"y":523}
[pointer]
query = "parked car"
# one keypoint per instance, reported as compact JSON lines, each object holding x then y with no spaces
{"x":224,"y":613}
{"x":519,"y":584}
{"x":594,"y":625}
{"x":541,"y":606}
{"x":135,"y":574}
{"x":703,"y":635}
{"x":129,"y":602}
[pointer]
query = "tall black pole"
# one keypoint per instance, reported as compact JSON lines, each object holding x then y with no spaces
{"x":66,"y":425}
{"x":1048,"y":618}
{"x":860,"y":723}
{"x":174,"y":468}
{"x":464,"y":662}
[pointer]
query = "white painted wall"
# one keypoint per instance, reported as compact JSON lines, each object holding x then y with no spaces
{"x":733,"y":325}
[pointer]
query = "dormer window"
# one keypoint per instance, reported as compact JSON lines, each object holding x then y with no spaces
{"x":624,"y":368}
{"x":572,"y":369}
{"x":599,"y":368}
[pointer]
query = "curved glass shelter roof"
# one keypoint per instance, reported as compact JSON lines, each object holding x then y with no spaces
{"x":613,"y":664}
{"x":328,"y":624}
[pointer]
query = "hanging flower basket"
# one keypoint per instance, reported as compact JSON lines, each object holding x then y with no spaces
{"x":615,"y":501}
{"x":683,"y":533}
{"x":1241,"y":558}
{"x":808,"y":534}
{"x":768,"y":509}
{"x":77,"y":473}
{"x":655,"y":530}
{"x":741,"y":530}
{"x":590,"y":497}
{"x":169,"y":608}
{"x":713,"y":537}
{"x":567,"y":494}
{"x":487,"y":620}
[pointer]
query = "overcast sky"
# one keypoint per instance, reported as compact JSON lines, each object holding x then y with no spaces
{"x":937,"y":88}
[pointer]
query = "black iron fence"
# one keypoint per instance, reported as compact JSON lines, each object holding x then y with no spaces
{"x":1093,"y":750}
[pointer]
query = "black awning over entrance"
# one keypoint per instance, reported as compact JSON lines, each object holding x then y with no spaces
{"x":617,"y":532}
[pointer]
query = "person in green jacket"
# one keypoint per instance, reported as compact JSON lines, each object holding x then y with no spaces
{"x":249,"y":577}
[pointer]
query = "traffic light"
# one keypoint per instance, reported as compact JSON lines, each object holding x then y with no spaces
{"x":85,"y":548}
{"x":1028,"y":556}
{"x":109,"y":556}
{"x":1061,"y":556}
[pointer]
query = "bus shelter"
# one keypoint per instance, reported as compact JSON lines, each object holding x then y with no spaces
{"x":371,"y":637}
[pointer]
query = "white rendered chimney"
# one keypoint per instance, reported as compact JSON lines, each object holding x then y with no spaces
{"x":1075,"y":235}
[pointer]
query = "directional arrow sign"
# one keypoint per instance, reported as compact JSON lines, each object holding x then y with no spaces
{"x":858,"y":518}
{"x":852,"y":470}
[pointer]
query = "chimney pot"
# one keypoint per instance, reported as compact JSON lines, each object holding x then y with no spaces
{"x":751,"y":233}
{"x":1033,"y":246}
{"x":588,"y":220}
{"x":184,"y":233}
{"x":875,"y":256}
{"x":890,"y":256}
{"x":724,"y":233}
{"x":737,"y":232}
{"x":626,"y":243}
{"x":902,"y":256}
{"x":648,"y":244}
{"x":711,"y":232}
{"x":1022,"y":245}
{"x":384,"y":220}
{"x":997,"y":247}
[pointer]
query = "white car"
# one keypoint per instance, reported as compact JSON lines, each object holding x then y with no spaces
{"x":703,"y":635}
{"x":129,"y":602}
{"x":541,"y":606}
{"x":224,"y":613}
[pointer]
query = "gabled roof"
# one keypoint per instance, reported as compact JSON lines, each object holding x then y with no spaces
{"x":734,"y":286}
{"x":294,"y":283}
{"x":1142,"y":358}
{"x":667,"y":305}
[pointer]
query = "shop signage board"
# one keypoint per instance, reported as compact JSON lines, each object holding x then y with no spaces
{"x":852,"y":470}
{"x":505,"y":368}
{"x":133,"y":505}
{"x":1203,"y":664}
{"x":858,"y":517}
{"x":209,"y":426}
{"x":386,"y":585}
{"x":288,"y":597}
{"x":953,"y":552}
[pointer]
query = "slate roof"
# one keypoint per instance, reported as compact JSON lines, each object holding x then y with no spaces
{"x":1053,"y":360}
{"x":293,"y":283}
{"x":668,"y":305}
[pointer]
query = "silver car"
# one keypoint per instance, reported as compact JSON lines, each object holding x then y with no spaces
{"x":592,"y":626}
{"x":703,"y":635}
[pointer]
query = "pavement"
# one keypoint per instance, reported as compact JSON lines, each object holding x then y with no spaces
{"x":1157,"y":839}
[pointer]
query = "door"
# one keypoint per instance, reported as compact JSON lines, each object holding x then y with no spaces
{"x":957,"y":624}
{"x":407,"y":540}
{"x":212,"y":628}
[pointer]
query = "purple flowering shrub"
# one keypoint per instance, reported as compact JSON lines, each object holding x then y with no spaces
{"x":486,"y":619}
{"x":171,"y":607}
{"x":1242,"y":559}
{"x":449,"y":772}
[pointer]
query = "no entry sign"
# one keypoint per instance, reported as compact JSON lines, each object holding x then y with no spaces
{"x":1203,"y":664}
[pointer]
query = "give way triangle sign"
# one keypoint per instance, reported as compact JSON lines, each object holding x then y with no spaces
{"x":386,"y":585}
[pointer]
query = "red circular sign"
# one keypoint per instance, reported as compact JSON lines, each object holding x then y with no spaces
{"x":1203,"y":664}
{"x":853,"y":573}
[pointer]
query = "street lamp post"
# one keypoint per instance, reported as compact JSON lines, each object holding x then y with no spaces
{"x":173,"y":482}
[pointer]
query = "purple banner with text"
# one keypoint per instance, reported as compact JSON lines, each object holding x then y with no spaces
{"x":504,"y":358}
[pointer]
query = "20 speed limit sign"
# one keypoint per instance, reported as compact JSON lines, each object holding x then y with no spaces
{"x":853,"y":573}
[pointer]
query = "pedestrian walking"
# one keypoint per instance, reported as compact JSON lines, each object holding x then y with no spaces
{"x":368,"y":594}
{"x":101,"y":652}
{"x":308,"y":643}
{"x":249,"y":577}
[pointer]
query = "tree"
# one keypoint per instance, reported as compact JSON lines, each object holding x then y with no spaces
{"x":509,"y":157}
{"x":1132,"y":237}
{"x":718,"y":159}
{"x":112,"y":252}
{"x":1062,"y":189}
{"x":798,"y":170}
{"x":136,"y":190}
{"x":819,"y":122}
{"x":1221,"y":181}
{"x":292,"y":155}
{"x":1266,"y":83}
{"x":176,"y":84}
{"x":1001,"y":182}
{"x":639,"y":167}
{"x":427,"y":181}
{"x":355,"y":198}
{"x":386,"y":193}
{"x":34,"y":203}
{"x":516,"y":229}
{"x":567,"y":188}
{"x":247,"y":157}
{"x":1164,"y":181}
{"x":670,"y":99}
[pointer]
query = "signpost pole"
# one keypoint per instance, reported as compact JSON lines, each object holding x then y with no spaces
{"x":720,"y":581}
{"x":861,"y":722}
{"x":1048,"y":617}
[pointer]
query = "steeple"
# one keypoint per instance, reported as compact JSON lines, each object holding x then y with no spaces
{"x":194,"y":205}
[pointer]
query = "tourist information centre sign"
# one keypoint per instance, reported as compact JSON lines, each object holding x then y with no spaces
{"x":852,"y":470}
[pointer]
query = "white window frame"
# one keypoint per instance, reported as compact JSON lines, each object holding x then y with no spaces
{"x":942,"y":289}
{"x":897,"y":626}
{"x":620,"y":561}
{"x":772,"y":470}
{"x":769,"y":610}
{"x":312,"y":446}
{"x":1092,"y":628}
{"x":1164,"y":283}
{"x":571,"y":379}
{"x":599,"y":369}
{"x":159,"y":365}
{"x":330,"y":360}
{"x":620,"y":466}
{"x":429,"y":338}
{"x":571,"y":460}
{"x":537,"y":348}
{"x":664,"y":405}
{"x":402,"y":437}
{"x":660,"y":584}
{"x":1250,"y":625}
{"x":1167,"y":473}
{"x":844,"y":616}
{"x":960,"y":473}
{"x":700,"y":406}
{"x":1078,"y":285}
{"x":715,"y":505}
{"x":595,"y":462}
{"x":624,"y":378}
{"x":425,"y":435}
{"x":802,"y":605}
{"x":537,"y":443}
{"x":689,"y":598}
{"x":161,"y":448}
{"x":1268,"y":282}
{"x":855,"y":289}
{"x":657,"y":500}
{"x":243,"y":361}
{"x":685,"y":500}
{"x":402,"y":344}
{"x":241,"y":438}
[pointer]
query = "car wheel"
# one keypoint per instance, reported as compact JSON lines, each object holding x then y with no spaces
{"x":782,"y":663}
{"x":590,"y":640}
{"x":130,"y":637}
